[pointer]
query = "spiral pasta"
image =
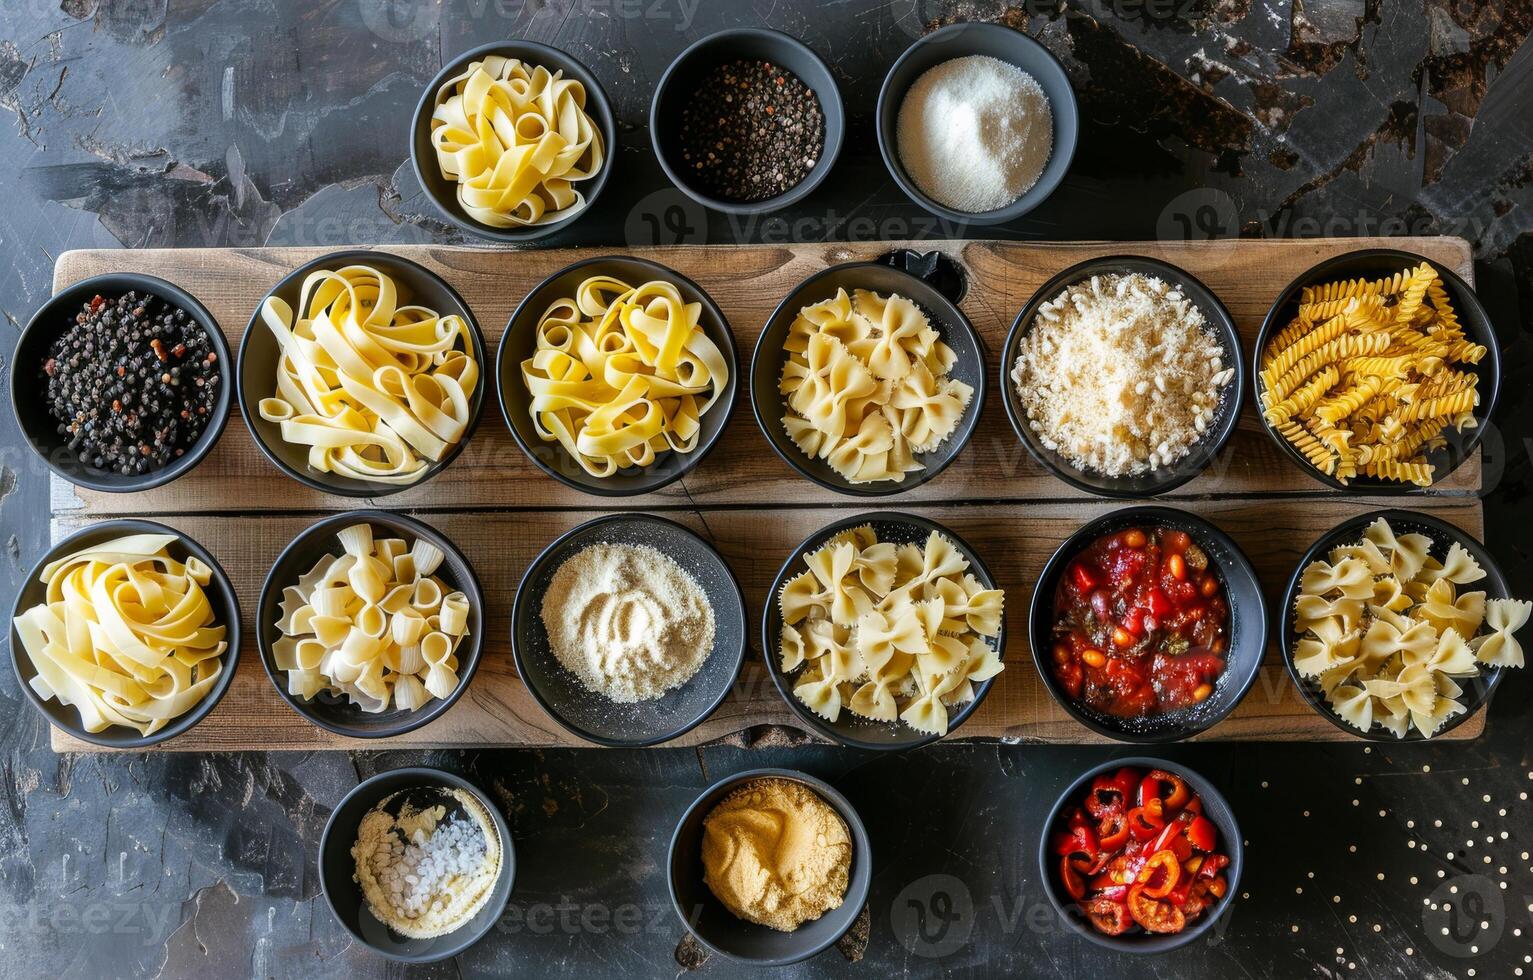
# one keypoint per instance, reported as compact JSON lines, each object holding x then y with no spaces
{"x":125,"y":635}
{"x":623,"y":373}
{"x":517,"y":139}
{"x":376,"y":388}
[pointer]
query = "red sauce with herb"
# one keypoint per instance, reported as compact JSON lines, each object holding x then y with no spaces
{"x":1141,"y":624}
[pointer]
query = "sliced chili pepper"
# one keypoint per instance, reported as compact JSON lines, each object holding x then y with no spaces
{"x":1212,"y":865}
{"x":1154,"y":915}
{"x":1160,"y":874}
{"x":1106,"y":796}
{"x":1071,"y":878}
{"x":1201,"y":833}
{"x":1145,"y":822}
{"x":1218,"y":887}
{"x":1108,"y":916}
{"x":1194,"y":805}
{"x":1112,"y":831}
{"x":1084,"y":580}
{"x":1171,"y":838}
{"x":1080,"y":840}
{"x":1169,"y":788}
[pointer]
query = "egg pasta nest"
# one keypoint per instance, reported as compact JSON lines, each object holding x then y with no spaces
{"x":125,"y":635}
{"x":1387,"y":635}
{"x":1369,"y":374}
{"x":623,"y":373}
{"x":889,"y":631}
{"x":866,"y":385}
{"x":376,"y":388}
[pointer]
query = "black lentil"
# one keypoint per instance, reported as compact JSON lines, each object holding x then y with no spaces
{"x":132,"y":383}
{"x":751,"y":131}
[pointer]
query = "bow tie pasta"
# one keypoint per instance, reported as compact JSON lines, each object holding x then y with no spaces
{"x":866,"y":386}
{"x":517,"y":140}
{"x":1387,"y":635}
{"x":373,"y":625}
{"x":889,"y":632}
{"x":126,"y":634}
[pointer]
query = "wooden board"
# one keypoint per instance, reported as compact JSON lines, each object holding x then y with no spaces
{"x":501,"y":510}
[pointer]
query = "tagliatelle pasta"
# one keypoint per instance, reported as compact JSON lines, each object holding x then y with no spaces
{"x":126,"y":634}
{"x":889,"y":632}
{"x":622,"y":373}
{"x":372,"y":624}
{"x":517,"y":139}
{"x":376,"y":388}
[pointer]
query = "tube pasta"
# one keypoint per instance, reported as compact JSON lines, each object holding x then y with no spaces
{"x":376,"y":388}
{"x":401,"y":650}
{"x":621,"y":374}
{"x":888,"y":639}
{"x":125,"y":634}
{"x":517,"y":139}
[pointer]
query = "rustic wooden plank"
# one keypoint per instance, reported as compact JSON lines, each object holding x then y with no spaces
{"x":747,"y":281}
{"x":1014,"y":540}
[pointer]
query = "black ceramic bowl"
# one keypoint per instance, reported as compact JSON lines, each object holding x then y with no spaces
{"x":686,"y":73}
{"x":713,"y":925}
{"x":520,"y":341}
{"x":1377,"y":263}
{"x":337,"y":867}
{"x":769,"y":405}
{"x":1003,"y":44}
{"x":257,"y":375}
{"x":1247,"y":632}
{"x":1231,"y":398}
{"x":29,"y":393}
{"x":1215,"y":807}
{"x":443,"y":190}
{"x":589,"y":715}
{"x":1477,"y":690}
{"x":335,"y":713}
{"x":849,"y":729}
{"x":220,"y":593}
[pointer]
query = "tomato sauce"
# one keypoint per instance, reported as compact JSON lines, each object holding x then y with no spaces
{"x":1141,"y":624}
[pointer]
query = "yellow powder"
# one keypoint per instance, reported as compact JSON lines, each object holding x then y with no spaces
{"x":776,"y":854}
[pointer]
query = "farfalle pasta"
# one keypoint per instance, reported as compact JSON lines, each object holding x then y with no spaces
{"x":126,"y":634}
{"x":866,"y":385}
{"x":1387,"y":636}
{"x":378,"y":389}
{"x":517,"y":140}
{"x":888,"y":632}
{"x":373,"y":625}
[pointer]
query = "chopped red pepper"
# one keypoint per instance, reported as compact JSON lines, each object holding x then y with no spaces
{"x":1075,"y":886}
{"x":1108,"y":916}
{"x":1167,"y":787}
{"x":1145,"y":822}
{"x":1082,"y":577}
{"x":1152,"y":914}
{"x":1160,"y":874}
{"x":1201,"y":833}
{"x":1112,"y":831}
{"x":1080,"y":840}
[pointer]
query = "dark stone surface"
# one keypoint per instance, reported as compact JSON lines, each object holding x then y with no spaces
{"x":195,"y":122}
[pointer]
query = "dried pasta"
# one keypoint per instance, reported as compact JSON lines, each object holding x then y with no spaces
{"x":1387,"y":636}
{"x":889,"y":632}
{"x":517,"y":139}
{"x":1369,"y":374}
{"x":866,"y":385}
{"x":376,"y":388}
{"x":372,"y":624}
{"x":126,"y":634}
{"x":621,"y":374}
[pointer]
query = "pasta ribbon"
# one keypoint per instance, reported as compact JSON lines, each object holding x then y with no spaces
{"x":126,"y":634}
{"x":517,"y":139}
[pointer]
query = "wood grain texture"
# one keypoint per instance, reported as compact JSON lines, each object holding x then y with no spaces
{"x":1014,"y":540}
{"x":747,"y":281}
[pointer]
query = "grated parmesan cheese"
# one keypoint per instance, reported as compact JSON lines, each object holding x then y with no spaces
{"x":1120,"y":375}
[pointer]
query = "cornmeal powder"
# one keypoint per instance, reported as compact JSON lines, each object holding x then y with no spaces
{"x":776,"y":854}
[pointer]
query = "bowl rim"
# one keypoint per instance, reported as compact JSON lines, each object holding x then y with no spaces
{"x":1494,"y":577}
{"x":524,"y":594}
{"x":596,"y":98}
{"x":953,"y":319}
{"x":382,"y":259}
{"x":1143,"y":944}
{"x":1232,"y":401}
{"x":1040,"y":615}
{"x":468,"y":663}
{"x":424,"y":773}
{"x":888,"y":149}
{"x":178,"y":726}
{"x":689,"y":461}
{"x":834,"y":135}
{"x":770,"y":643}
{"x":57,"y":304}
{"x":1471,"y":310}
{"x":858,"y":887}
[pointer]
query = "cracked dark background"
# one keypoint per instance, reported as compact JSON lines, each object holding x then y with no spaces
{"x":193,"y":122}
